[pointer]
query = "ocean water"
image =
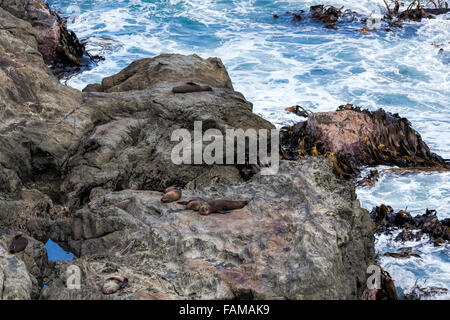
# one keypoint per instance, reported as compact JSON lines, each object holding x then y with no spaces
{"x":276,"y":64}
{"x":55,"y":252}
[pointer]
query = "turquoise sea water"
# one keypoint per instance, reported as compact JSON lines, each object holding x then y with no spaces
{"x":276,"y":64}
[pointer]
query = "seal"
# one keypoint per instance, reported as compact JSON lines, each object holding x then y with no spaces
{"x":172,"y":194}
{"x":114,"y":284}
{"x":171,"y":188}
{"x":194,"y":204}
{"x":122,"y":184}
{"x":18,"y":244}
{"x":191,"y":87}
{"x":221,"y":206}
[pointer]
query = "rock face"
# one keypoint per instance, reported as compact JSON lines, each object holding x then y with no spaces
{"x":132,"y":137}
{"x":353,"y":138}
{"x":85,"y":170}
{"x":303,"y":236}
{"x":33,"y":106}
{"x":15,"y":281}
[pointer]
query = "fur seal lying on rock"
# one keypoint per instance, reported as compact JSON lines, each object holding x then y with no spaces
{"x":18,"y":244}
{"x":191,"y":87}
{"x":171,"y":194}
{"x":114,"y":284}
{"x":221,"y":206}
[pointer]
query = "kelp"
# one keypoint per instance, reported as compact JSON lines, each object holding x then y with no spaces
{"x":415,"y":11}
{"x":388,"y":139}
{"x":414,"y":228}
{"x":331,"y":16}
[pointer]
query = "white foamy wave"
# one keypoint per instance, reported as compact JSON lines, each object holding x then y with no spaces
{"x":431,"y":270}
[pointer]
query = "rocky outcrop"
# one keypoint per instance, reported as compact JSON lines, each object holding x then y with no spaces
{"x":134,"y":120}
{"x":332,"y":17}
{"x":353,"y":138}
{"x":88,"y":144}
{"x":35,"y":134}
{"x":60,"y":47}
{"x":303,"y":236}
{"x":413,"y":228}
{"x":85,"y":170}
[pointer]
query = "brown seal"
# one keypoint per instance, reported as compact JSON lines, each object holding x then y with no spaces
{"x":18,"y":243}
{"x":172,"y":194}
{"x":171,"y":188}
{"x":114,"y":284}
{"x":221,"y":206}
{"x":191,"y":87}
{"x":194,"y":204}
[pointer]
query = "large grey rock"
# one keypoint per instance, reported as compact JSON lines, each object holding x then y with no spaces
{"x":34,"y":257}
{"x":15,"y":281}
{"x":130,"y":137}
{"x":303,"y":236}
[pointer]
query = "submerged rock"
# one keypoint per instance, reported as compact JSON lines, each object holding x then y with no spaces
{"x":414,"y":227}
{"x":331,"y":16}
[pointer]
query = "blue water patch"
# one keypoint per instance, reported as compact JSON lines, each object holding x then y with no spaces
{"x":55,"y":252}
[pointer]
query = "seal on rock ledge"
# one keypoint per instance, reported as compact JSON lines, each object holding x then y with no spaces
{"x":191,"y":87}
{"x":171,"y":194}
{"x":18,"y":244}
{"x":221,"y":206}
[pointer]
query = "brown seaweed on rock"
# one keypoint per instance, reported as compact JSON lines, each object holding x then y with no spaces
{"x":413,"y":227}
{"x":354,"y":138}
{"x":416,"y":10}
{"x":60,"y":47}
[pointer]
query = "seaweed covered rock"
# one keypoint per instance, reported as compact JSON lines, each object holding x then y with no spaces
{"x":60,"y":47}
{"x":330,"y":16}
{"x":354,"y":138}
{"x":413,"y":227}
{"x":415,"y":11}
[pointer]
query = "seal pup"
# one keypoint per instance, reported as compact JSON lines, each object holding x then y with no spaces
{"x":114,"y":284}
{"x":191,"y":87}
{"x":171,"y":188}
{"x":194,"y":204}
{"x":171,"y":194}
{"x":221,"y":206}
{"x":18,"y":243}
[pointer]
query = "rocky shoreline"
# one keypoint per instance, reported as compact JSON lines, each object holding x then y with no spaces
{"x":87,"y":170}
